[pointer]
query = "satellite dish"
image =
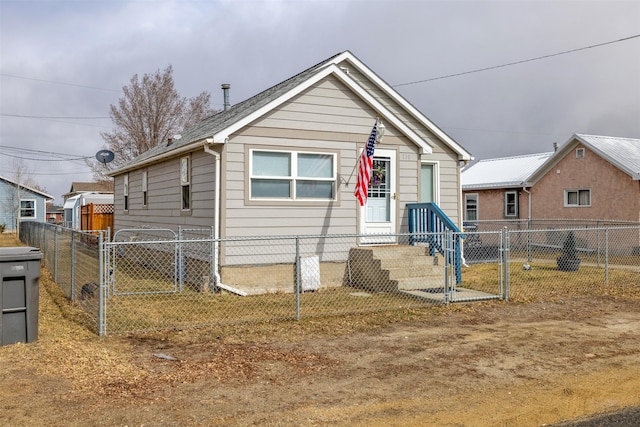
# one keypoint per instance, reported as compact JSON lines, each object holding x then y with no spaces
{"x":105,"y":156}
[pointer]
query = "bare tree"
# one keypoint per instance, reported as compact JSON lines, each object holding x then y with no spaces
{"x":150,"y":112}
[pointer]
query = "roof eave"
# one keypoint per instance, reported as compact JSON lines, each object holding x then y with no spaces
{"x":462,"y":153}
{"x":224,"y":134}
{"x":155,"y":159}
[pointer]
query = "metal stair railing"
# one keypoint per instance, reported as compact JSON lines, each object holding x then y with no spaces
{"x":429,"y":224}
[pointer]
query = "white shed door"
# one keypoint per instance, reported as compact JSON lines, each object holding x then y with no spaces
{"x":378,"y":215}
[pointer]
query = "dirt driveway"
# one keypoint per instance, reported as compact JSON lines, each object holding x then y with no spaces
{"x":489,"y":364}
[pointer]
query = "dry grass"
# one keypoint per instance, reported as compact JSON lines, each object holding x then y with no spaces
{"x":104,"y":367}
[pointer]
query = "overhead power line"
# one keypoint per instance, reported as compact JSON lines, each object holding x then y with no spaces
{"x":59,"y":83}
{"x":517,"y":62}
{"x":55,"y":117}
{"x":39,"y":155}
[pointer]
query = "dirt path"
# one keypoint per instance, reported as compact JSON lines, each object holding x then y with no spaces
{"x":491,"y":364}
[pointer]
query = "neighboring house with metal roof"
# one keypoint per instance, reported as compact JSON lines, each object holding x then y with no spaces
{"x":19,"y":203}
{"x":102,"y":187}
{"x":589,"y":177}
{"x":495,"y":188}
{"x":283,"y":162}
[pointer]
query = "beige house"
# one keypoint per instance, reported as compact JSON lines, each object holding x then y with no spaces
{"x":283,"y":162}
{"x":588,"y":178}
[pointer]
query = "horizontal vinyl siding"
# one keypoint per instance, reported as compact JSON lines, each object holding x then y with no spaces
{"x":163,"y":209}
{"x":445,"y":156}
{"x":327,"y":118}
{"x":9,"y":196}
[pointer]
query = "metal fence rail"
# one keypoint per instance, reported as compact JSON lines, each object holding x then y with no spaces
{"x":150,"y":279}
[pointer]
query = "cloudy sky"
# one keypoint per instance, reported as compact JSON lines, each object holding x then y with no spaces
{"x":63,"y":63}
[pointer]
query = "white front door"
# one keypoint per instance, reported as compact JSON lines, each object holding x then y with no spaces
{"x":378,"y":215}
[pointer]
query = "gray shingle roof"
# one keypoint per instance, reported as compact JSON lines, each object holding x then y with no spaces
{"x":209,"y":126}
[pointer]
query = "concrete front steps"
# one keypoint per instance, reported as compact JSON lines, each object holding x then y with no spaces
{"x":394,"y":268}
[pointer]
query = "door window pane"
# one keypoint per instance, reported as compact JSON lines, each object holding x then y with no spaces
{"x":426,"y":184}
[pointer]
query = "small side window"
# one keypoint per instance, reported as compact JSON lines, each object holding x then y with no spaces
{"x":144,"y":188}
{"x":580,"y":153}
{"x":185,"y":183}
{"x":125,"y":192}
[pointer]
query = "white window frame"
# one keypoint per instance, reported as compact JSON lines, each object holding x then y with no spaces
{"x":35,"y":204}
{"x":580,"y":153}
{"x":577,"y":191}
{"x":145,"y":194}
{"x":294,"y":177}
{"x":125,"y":191}
{"x":185,"y":183}
{"x":506,"y":204}
{"x":475,"y":197}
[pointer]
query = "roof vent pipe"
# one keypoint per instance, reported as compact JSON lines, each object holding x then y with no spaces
{"x":555,"y":147}
{"x":225,"y":91}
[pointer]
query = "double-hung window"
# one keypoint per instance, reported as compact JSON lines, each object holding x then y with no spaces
{"x":471,"y":207}
{"x":185,"y":183}
{"x":144,"y":188}
{"x":125,"y":191}
{"x":577,"y":198}
{"x":511,"y":204}
{"x":292,"y":175}
{"x":27,"y":208}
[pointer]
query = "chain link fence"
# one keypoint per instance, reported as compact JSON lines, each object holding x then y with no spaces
{"x":151,"y":279}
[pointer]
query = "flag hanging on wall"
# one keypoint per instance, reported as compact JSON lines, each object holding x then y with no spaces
{"x":365,"y":166}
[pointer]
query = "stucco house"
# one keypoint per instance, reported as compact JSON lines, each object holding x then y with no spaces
{"x":589,"y":177}
{"x":21,"y":203}
{"x":284,"y":163}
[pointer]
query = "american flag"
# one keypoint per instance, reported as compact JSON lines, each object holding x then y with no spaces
{"x":364,"y":169}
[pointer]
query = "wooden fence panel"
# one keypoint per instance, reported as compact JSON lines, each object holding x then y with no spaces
{"x":96,"y":217}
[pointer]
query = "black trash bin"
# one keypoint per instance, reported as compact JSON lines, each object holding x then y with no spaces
{"x":19,"y":288}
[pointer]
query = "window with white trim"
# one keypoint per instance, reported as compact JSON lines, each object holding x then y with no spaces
{"x":27,"y":208}
{"x":185,"y":183}
{"x":144,"y":188}
{"x":511,"y":204}
{"x":125,"y":192}
{"x":471,"y":207}
{"x":579,"y":153}
{"x":577,"y":198}
{"x":292,"y":175}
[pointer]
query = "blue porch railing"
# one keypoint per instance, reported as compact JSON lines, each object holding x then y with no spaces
{"x":427,"y":223}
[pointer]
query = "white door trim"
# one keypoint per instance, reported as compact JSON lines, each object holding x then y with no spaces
{"x":385,"y":203}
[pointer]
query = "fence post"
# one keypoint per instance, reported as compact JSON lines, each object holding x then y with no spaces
{"x":181,"y":264}
{"x":73,"y":265}
{"x":102,"y":318}
{"x":506,"y":264}
{"x":212,"y":260}
{"x":447,"y":265}
{"x":606,"y":256}
{"x":55,"y":255}
{"x":298,"y":284}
